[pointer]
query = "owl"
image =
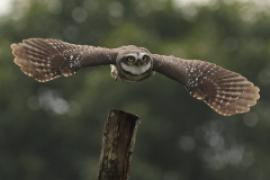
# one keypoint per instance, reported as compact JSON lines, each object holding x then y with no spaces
{"x":225,"y":91}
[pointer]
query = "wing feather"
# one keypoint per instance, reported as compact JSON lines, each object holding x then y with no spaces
{"x":225,"y":91}
{"x":47,"y":59}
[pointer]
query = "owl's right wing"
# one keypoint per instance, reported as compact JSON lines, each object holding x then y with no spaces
{"x":226,"y":92}
{"x":47,"y":59}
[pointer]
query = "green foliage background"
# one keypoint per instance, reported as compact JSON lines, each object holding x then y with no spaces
{"x":53,"y":131}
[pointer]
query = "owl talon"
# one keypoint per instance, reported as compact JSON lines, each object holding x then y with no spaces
{"x":114,"y":72}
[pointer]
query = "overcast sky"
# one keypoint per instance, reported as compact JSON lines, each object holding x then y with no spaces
{"x":5,"y":5}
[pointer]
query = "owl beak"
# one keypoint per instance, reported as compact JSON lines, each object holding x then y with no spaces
{"x":138,"y":62}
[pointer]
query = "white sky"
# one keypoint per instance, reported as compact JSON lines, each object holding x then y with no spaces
{"x":188,"y":2}
{"x":5,"y":6}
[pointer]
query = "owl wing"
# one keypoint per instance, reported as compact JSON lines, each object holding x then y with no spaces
{"x":47,"y":59}
{"x":226,"y":92}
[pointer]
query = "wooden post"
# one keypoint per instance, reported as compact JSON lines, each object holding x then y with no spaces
{"x":117,"y":145}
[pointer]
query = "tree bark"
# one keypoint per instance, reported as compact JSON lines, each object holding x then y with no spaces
{"x":117,"y":145}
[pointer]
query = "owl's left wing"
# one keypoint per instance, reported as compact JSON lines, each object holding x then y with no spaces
{"x":226,"y":92}
{"x":47,"y":59}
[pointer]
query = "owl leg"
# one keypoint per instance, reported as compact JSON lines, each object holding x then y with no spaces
{"x":114,"y":72}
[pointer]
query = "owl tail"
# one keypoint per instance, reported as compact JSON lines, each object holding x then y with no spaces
{"x":226,"y":92}
{"x":41,"y":59}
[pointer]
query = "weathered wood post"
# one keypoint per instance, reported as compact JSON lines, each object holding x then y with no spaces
{"x":117,"y":145}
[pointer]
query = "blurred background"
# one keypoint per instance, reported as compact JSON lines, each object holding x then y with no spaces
{"x":53,"y":131}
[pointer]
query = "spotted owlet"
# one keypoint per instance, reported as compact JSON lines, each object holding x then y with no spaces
{"x":226,"y":92}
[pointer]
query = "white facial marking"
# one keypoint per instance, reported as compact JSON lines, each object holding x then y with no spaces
{"x":137,"y":70}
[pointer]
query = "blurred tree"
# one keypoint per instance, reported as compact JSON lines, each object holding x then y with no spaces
{"x":53,"y":130}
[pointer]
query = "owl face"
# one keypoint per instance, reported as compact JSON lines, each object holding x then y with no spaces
{"x":134,"y":66}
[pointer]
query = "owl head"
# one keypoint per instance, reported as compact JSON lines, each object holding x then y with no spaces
{"x":134,"y":64}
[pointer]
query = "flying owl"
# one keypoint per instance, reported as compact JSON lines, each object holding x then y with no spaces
{"x":226,"y":92}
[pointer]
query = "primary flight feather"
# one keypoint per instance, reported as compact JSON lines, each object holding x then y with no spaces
{"x":226,"y":92}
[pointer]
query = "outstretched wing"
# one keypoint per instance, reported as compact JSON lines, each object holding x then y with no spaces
{"x":47,"y":59}
{"x":226,"y":92}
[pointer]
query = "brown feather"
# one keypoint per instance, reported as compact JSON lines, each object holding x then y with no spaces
{"x":37,"y":58}
{"x":226,"y":92}
{"x":47,"y":59}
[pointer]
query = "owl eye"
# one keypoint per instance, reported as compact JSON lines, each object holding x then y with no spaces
{"x":131,"y":59}
{"x":146,"y":58}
